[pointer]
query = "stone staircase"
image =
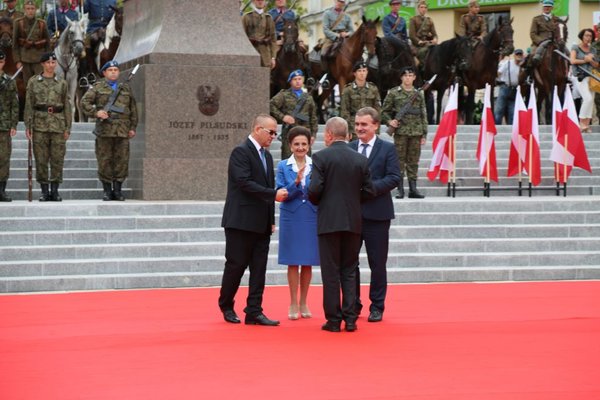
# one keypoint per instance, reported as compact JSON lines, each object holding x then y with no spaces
{"x":88,"y":244}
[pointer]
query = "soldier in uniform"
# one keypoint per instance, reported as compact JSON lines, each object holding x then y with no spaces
{"x":422,"y":31}
{"x":62,"y":12}
{"x":99,"y":14}
{"x":473,"y":24}
{"x":11,"y":11}
{"x":9,"y":117}
{"x":358,"y":94}
{"x":337,"y":25}
{"x":48,"y":117}
{"x":30,"y":41}
{"x":114,"y":107}
{"x":280,"y":14}
{"x":393,"y":24}
{"x":260,"y":29}
{"x":410,"y":129}
{"x":294,"y":107}
{"x":542,"y":30}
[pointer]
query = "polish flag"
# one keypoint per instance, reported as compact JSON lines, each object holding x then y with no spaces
{"x":517,"y":144}
{"x":486,"y":148}
{"x":441,"y":163}
{"x":568,"y":148}
{"x":529,"y":130}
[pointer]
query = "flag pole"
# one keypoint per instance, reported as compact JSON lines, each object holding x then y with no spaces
{"x":565,"y":166}
{"x":454,"y":167}
{"x":530,"y":150}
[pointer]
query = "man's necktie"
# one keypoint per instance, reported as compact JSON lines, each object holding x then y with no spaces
{"x":263,"y":158}
{"x":364,"y":149}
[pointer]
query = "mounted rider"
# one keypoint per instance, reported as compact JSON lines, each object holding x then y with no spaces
{"x":31,"y":40}
{"x":542,"y":30}
{"x":280,"y":14}
{"x":393,"y":24}
{"x":421,"y":32}
{"x":337,"y":26}
{"x":473,"y":25}
{"x":11,"y":10}
{"x":100,"y":12}
{"x":57,"y":20}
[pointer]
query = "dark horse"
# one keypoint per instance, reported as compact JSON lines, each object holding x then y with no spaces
{"x":552,"y":70}
{"x":6,"y":44}
{"x":108,"y":48}
{"x":484,"y":62}
{"x":392,"y":55}
{"x":349,"y":52}
{"x":443,"y":60}
{"x":290,"y":57}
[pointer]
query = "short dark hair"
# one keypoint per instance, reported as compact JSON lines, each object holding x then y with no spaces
{"x":583,"y":31}
{"x":298,"y":131}
{"x":371,"y":112}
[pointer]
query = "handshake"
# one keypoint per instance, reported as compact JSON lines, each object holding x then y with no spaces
{"x":281,"y":195}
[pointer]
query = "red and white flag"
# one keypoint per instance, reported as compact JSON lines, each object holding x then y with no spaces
{"x":530,"y":130}
{"x":486,"y":148}
{"x":441,"y":162}
{"x":518,"y":145}
{"x":568,"y":148}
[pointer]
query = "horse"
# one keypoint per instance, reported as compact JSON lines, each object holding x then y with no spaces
{"x":484,"y":62}
{"x":69,"y":50}
{"x":444,"y":60}
{"x":552,"y":70}
{"x":392,"y":55}
{"x":290,"y":57}
{"x":349,"y":52}
{"x":108,"y":47}
{"x":6,"y":44}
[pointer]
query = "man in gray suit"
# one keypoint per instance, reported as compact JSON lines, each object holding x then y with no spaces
{"x":340,"y":180}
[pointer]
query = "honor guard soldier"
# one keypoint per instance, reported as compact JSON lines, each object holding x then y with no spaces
{"x":11,"y":11}
{"x":294,"y":107}
{"x":473,"y":24}
{"x":48,"y":123}
{"x":358,"y":94}
{"x":404,"y":111}
{"x":260,"y":29}
{"x":421,"y":31}
{"x":60,"y":15}
{"x":30,"y":41}
{"x":9,"y":117}
{"x":114,"y":107}
{"x":393,"y":24}
{"x":337,"y":25}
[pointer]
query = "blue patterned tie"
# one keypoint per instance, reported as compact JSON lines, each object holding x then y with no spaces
{"x":263,"y":158}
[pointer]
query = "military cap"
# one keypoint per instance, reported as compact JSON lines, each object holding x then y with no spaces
{"x":2,"y":55}
{"x":30,"y":3}
{"x":407,"y":70}
{"x":519,"y":51}
{"x":358,"y":65}
{"x":294,"y":74}
{"x":47,"y":57}
{"x":109,"y":64}
{"x":395,"y":2}
{"x":473,"y":3}
{"x":422,"y":3}
{"x":548,"y":3}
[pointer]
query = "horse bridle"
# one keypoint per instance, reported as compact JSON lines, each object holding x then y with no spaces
{"x":504,"y":39}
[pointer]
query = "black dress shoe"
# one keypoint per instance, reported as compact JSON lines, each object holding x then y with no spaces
{"x":357,"y":309}
{"x":231,"y":316}
{"x":350,"y":326}
{"x":375,"y":316}
{"x":331,"y":326}
{"x":260,"y":319}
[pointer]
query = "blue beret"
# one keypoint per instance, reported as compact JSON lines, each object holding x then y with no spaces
{"x":109,"y":64}
{"x":294,"y":74}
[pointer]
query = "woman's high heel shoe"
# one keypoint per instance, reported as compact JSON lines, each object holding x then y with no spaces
{"x":305,"y":312}
{"x":293,"y":313}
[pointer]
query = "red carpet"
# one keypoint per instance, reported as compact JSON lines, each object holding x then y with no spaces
{"x":508,"y":341}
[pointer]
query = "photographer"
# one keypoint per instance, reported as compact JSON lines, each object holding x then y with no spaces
{"x":508,"y":76}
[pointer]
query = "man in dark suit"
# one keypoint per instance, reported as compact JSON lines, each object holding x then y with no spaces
{"x":249,"y":220}
{"x":340,"y":180}
{"x":378,"y":211}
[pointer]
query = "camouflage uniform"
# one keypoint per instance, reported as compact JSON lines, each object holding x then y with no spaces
{"x":30,"y":41}
{"x":284,"y":103}
{"x":9,"y":117}
{"x":354,"y":98}
{"x":412,"y":128}
{"x":112,"y":143}
{"x":421,"y":32}
{"x":48,"y":116}
{"x":260,"y":29}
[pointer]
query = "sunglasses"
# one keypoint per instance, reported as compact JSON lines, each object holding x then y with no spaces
{"x":271,"y":132}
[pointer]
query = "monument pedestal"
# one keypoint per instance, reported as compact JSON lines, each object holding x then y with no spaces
{"x":198,"y":89}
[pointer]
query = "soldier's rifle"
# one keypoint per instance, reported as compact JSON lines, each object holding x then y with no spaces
{"x":298,"y":116}
{"x":407,"y":108}
{"x":579,"y":68}
{"x":110,"y":106}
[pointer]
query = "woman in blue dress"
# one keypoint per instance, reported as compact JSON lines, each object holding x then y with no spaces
{"x":298,"y":243}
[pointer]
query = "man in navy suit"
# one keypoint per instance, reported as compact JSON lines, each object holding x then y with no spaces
{"x":249,"y":220}
{"x":378,"y":211}
{"x":340,"y":179}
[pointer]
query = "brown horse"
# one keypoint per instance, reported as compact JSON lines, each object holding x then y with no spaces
{"x":6,"y":43}
{"x":349,"y":52}
{"x":108,"y":48}
{"x":484,"y":62}
{"x":552,"y":70}
{"x":290,"y":57}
